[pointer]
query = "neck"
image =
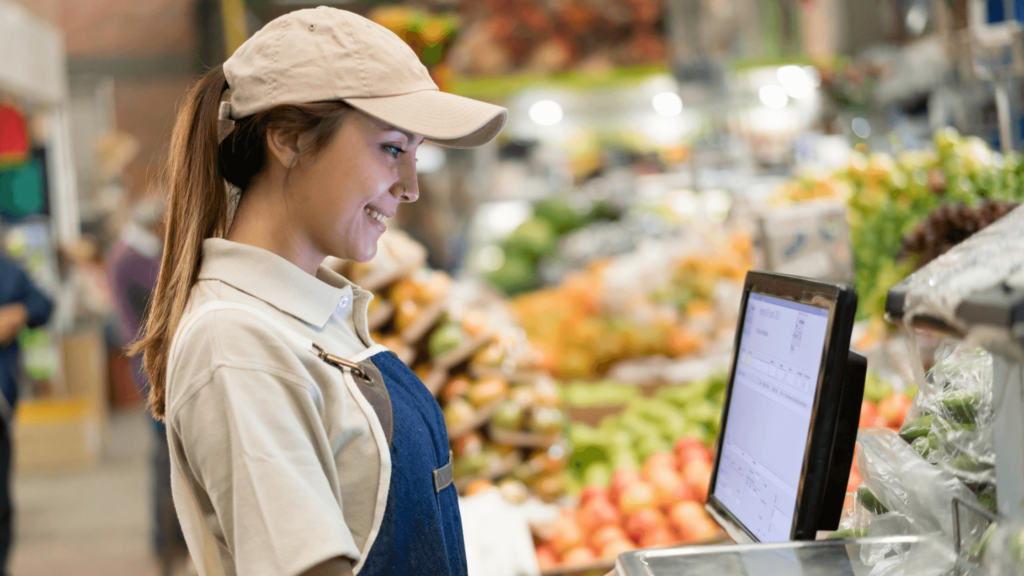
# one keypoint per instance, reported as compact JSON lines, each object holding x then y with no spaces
{"x":263,"y":220}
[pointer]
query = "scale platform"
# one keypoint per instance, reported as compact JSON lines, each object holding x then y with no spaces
{"x":858,"y":557}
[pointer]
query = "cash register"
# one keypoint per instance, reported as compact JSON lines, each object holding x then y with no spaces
{"x":787,"y":437}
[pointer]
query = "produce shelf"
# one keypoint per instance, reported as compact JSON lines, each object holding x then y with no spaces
{"x":462,"y":353}
{"x":517,"y":377}
{"x":508,"y":463}
{"x":436,"y":380}
{"x":406,"y":354}
{"x":482,"y":417}
{"x":380,"y":315}
{"x":523,"y":439}
{"x":427,"y":320}
{"x":495,"y":89}
{"x":380,"y":280}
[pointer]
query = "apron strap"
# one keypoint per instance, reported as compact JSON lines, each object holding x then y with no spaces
{"x":443,"y":476}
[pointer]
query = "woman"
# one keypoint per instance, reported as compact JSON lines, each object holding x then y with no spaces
{"x":298,"y":446}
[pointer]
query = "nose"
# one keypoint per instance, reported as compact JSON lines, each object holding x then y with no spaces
{"x":407,"y":189}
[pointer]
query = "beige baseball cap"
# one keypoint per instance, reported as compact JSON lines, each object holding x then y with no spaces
{"x":324,"y":54}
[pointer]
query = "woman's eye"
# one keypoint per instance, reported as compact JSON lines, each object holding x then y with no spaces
{"x":394,"y":151}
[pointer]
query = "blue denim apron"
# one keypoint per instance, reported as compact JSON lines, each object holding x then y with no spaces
{"x":421,"y":532}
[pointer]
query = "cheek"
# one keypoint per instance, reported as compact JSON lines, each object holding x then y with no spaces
{"x":338,"y":189}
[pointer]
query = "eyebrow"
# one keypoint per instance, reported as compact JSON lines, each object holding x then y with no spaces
{"x":409,"y":136}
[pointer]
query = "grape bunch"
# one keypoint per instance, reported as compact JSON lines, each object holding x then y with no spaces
{"x":949,"y":225}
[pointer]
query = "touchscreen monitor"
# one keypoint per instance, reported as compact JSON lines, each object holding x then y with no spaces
{"x":792,"y":406}
{"x":764,"y":447}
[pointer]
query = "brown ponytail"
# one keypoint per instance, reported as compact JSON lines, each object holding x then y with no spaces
{"x":197,"y":168}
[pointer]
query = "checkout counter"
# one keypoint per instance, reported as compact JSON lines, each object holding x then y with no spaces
{"x":776,"y":490}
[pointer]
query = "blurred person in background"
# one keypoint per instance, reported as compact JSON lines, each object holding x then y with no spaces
{"x":298,"y":445}
{"x":22,"y":305}
{"x":133,"y":264}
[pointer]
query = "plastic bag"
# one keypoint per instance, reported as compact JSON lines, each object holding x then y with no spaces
{"x":928,"y":558}
{"x":984,"y":260}
{"x":902,"y":481}
{"x":951,"y":420}
{"x":1003,"y":551}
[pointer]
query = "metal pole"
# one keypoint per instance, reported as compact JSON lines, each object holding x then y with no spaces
{"x":1003,"y":114}
{"x":1008,"y":393}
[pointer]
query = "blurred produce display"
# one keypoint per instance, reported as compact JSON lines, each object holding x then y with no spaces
{"x":644,"y":427}
{"x":888,"y":198}
{"x":506,"y":436}
{"x":641,"y":475}
{"x":660,"y":503}
{"x":547,"y":36}
{"x":850,"y":85}
{"x":538,"y":237}
{"x":429,"y":35}
{"x":949,"y":225}
{"x":636,"y":305}
{"x":884,"y":407}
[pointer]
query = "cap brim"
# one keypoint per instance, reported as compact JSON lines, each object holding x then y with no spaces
{"x":441,"y":118}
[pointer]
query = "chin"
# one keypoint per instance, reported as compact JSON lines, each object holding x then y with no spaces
{"x":365,"y":254}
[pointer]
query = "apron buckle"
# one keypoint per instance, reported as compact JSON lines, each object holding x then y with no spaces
{"x":340,"y":362}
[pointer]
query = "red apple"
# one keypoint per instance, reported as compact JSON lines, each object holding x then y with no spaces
{"x":636,"y":497}
{"x":698,"y":531}
{"x":643,"y":522}
{"x":578,"y":556}
{"x":621,"y":479}
{"x":658,"y":462}
{"x":658,"y":537}
{"x":684,"y":513}
{"x":566,"y":535}
{"x":693,"y":454}
{"x":589,"y":492}
{"x":669,"y":488}
{"x":688,"y":442}
{"x":613,"y":549}
{"x":854,"y":482}
{"x":597,"y":512}
{"x":894,"y":409}
{"x":868,"y":414}
{"x":605,"y":535}
{"x":698,"y":476}
{"x":546,"y":558}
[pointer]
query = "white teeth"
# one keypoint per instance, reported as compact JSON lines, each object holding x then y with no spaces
{"x":376,"y":215}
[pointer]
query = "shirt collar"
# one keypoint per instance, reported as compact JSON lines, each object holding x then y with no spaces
{"x":276,"y":281}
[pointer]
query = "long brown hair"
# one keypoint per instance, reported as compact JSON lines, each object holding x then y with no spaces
{"x":196,"y":171}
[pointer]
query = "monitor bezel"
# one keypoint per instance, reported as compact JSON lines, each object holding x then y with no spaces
{"x":840,"y":300}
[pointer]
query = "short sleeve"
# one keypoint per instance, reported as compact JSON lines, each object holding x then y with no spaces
{"x":255,"y":443}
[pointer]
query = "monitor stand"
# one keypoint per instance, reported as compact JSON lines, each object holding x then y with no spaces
{"x":731,"y":528}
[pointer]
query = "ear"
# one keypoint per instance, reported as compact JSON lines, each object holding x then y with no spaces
{"x":284,"y":146}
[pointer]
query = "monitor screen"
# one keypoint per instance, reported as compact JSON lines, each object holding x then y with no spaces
{"x":768,"y":423}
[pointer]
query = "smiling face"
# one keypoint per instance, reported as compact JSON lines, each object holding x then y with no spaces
{"x":342,"y":198}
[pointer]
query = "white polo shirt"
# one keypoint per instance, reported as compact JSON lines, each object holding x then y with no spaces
{"x":277,"y":460}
